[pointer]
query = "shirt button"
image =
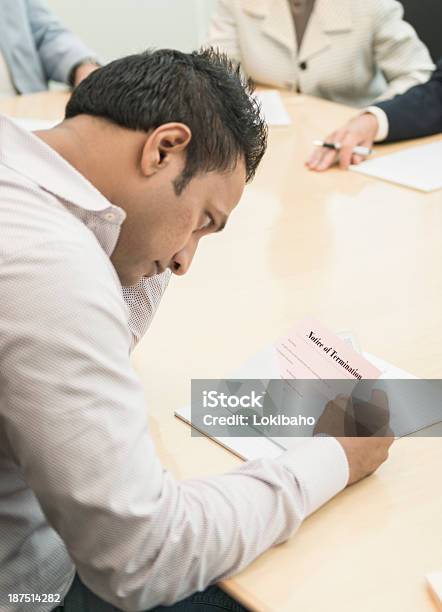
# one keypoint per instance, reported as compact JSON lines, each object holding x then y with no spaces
{"x":109,"y":216}
{"x":303,"y":65}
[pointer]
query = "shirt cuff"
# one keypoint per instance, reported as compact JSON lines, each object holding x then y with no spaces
{"x":382,"y":118}
{"x":321,"y":468}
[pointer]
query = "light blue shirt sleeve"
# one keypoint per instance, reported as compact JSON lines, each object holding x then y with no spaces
{"x":59,"y":49}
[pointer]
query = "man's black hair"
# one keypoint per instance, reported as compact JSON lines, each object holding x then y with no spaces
{"x":202,"y":89}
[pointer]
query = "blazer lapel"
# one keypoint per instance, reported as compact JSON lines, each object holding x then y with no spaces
{"x":326,"y":17}
{"x":276,"y":20}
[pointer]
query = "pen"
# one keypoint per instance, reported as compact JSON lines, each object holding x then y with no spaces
{"x":337,"y":145}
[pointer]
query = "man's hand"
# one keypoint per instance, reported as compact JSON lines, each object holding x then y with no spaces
{"x":345,"y":418}
{"x":83,"y":71}
{"x":365,"y":455}
{"x":359,"y":131}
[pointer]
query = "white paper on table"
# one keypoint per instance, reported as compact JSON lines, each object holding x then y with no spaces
{"x":273,"y":108}
{"x":32,"y":125}
{"x":246,"y":448}
{"x":417,"y":167}
{"x":408,"y":413}
{"x":264,"y":365}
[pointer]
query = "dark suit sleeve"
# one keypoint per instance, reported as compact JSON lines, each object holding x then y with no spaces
{"x":417,"y":112}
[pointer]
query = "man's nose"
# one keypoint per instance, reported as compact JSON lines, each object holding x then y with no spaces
{"x":183,"y":259}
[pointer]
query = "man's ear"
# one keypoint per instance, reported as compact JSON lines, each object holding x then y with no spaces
{"x":162,"y":145}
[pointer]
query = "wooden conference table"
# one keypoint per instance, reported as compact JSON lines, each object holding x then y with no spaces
{"x":360,"y":255}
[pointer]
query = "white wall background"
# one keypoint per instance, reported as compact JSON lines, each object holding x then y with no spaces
{"x":118,"y":27}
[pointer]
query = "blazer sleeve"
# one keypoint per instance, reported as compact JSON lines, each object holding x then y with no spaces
{"x":401,"y":56}
{"x":59,"y":49}
{"x":418,"y":112}
{"x":223,"y":33}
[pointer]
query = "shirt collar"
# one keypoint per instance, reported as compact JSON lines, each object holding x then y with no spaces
{"x":28,"y":155}
{"x":331,"y":16}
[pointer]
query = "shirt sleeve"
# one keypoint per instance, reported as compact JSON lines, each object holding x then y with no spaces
{"x":76,"y":424}
{"x":59,"y":49}
{"x":382,"y":118}
{"x":401,"y":56}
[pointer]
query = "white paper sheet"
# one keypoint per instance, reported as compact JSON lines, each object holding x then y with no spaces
{"x":264,"y":365}
{"x":273,"y":107}
{"x":246,"y":448}
{"x":417,"y":167}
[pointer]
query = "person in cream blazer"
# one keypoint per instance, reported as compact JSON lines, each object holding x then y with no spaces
{"x":352,"y":51}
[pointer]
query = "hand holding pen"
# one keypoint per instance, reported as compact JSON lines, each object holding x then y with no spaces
{"x":350,"y":144}
{"x":336,"y":146}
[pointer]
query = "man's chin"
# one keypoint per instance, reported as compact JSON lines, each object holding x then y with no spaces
{"x":128,"y":284}
{"x":132,"y":280}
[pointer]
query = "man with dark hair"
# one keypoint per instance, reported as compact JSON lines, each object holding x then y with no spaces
{"x":153,"y":155}
{"x":414,"y":114}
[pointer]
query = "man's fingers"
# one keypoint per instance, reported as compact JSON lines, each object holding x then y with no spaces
{"x":343,"y":401}
{"x":337,"y":418}
{"x":379,"y":398}
{"x":373,"y":417}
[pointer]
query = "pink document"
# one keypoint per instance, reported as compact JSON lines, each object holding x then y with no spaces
{"x":312,"y":351}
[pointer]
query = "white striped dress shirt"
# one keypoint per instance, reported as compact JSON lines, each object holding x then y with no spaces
{"x":81,"y":487}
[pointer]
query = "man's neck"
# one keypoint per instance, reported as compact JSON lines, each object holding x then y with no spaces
{"x":84,"y":142}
